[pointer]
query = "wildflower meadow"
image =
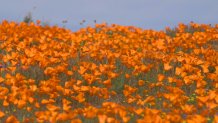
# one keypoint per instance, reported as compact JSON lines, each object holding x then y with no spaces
{"x":108,"y":74}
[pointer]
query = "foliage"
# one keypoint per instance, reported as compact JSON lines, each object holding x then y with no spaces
{"x":28,"y":18}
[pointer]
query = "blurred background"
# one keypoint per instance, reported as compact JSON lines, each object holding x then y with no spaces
{"x":147,"y":14}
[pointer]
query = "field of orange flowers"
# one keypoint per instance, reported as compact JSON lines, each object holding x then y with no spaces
{"x":108,"y":74}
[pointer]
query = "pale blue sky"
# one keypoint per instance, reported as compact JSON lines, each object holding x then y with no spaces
{"x":147,"y":14}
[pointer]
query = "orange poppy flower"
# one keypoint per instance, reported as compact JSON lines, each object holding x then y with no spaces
{"x":178,"y":71}
{"x":139,"y":111}
{"x":167,"y":66}
{"x":82,"y":70}
{"x":1,"y":79}
{"x":160,"y":77}
{"x":21,"y":103}
{"x":203,"y":99}
{"x":111,"y":120}
{"x":5,"y":103}
{"x":85,"y":88}
{"x":107,"y":83}
{"x":37,"y":105}
{"x":11,"y":119}
{"x":80,"y":97}
{"x":51,"y":107}
{"x":2,"y":114}
{"x":141,"y":82}
{"x":76,"y":121}
{"x":216,"y":118}
{"x":102,"y":118}
{"x":205,"y":68}
{"x":127,"y":76}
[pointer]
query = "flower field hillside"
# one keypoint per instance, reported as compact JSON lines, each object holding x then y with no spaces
{"x":108,"y":74}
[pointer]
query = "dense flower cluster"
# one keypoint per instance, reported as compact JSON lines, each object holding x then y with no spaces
{"x":108,"y":74}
